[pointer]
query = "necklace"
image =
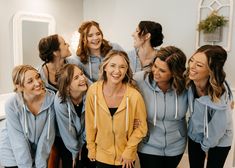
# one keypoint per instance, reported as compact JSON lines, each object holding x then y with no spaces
{"x":76,"y":102}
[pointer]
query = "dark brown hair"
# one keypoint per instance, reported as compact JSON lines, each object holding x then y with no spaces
{"x":175,"y":59}
{"x":155,"y":29}
{"x":47,"y":46}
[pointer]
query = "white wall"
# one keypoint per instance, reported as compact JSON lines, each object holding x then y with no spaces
{"x":119,"y":18}
{"x":67,"y":13}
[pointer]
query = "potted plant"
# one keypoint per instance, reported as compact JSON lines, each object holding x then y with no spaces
{"x":212,"y":26}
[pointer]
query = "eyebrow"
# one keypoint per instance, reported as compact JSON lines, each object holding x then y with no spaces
{"x":198,"y":61}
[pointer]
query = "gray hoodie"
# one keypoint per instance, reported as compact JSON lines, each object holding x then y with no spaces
{"x":91,"y":69}
{"x":167,"y":129}
{"x":210,"y":123}
{"x":27,"y":139}
{"x":71,"y":127}
{"x":135,"y":63}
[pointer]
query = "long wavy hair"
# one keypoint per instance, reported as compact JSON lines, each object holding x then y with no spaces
{"x":83,"y":49}
{"x":176,"y":60}
{"x":216,"y":57}
{"x":64,"y":78}
{"x":129,"y":74}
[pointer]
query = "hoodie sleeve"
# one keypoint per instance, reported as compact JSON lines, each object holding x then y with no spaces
{"x":139,"y":133}
{"x":18,"y":141}
{"x":89,"y":123}
{"x":217,"y":127}
{"x":46,"y":139}
{"x":69,"y":137}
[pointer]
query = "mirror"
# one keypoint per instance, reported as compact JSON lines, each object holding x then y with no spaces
{"x":28,"y":29}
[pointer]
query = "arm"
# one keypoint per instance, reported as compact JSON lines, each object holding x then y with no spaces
{"x":18,"y":141}
{"x":69,"y":137}
{"x":138,"y":133}
{"x":90,"y":127}
{"x":44,"y":144}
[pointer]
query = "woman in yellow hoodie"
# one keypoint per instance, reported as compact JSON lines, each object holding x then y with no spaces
{"x":112,"y":105}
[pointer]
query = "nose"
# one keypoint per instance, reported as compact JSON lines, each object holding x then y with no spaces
{"x":117,"y":69}
{"x":192,"y":65}
{"x":155,"y":71}
{"x":37,"y":82}
{"x":82,"y":78}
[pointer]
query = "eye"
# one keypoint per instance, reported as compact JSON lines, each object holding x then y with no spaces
{"x":199,"y":65}
{"x":112,"y":65}
{"x":29,"y":81}
{"x":89,"y":35}
{"x":123,"y":67}
{"x":38,"y":76}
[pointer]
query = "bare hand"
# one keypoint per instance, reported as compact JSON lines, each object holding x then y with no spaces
{"x":92,"y":159}
{"x":127,"y":163}
{"x":74,"y":163}
{"x":137,"y":123}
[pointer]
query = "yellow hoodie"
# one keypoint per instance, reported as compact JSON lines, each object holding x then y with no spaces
{"x":110,"y":138}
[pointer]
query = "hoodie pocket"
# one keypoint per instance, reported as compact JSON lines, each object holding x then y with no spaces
{"x":175,"y":136}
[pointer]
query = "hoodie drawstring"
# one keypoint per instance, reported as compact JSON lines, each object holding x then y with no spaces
{"x":206,"y":123}
{"x":69,"y":110}
{"x":25,"y":121}
{"x":155,"y":109}
{"x":127,"y":113}
{"x":176,"y":105}
{"x":90,"y":71}
{"x":49,"y":124}
{"x":95,"y":105}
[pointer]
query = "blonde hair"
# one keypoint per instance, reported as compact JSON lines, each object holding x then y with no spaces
{"x":18,"y":75}
{"x":129,"y":74}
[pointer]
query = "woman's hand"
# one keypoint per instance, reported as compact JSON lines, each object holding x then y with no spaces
{"x":137,"y":123}
{"x":74,"y":163}
{"x":127,"y":163}
{"x":92,"y":159}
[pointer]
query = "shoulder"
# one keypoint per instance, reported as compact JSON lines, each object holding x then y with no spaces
{"x":139,"y":76}
{"x":133,"y":93}
{"x":74,"y":59}
{"x":14,"y":99}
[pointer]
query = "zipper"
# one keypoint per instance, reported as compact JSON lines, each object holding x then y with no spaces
{"x":164,"y":124}
{"x":114,"y":142}
{"x":35,"y":130}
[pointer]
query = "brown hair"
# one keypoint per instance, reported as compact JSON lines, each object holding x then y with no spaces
{"x":83,"y":50}
{"x":64,"y":78}
{"x":216,"y":57}
{"x":155,"y":29}
{"x":47,"y":46}
{"x":175,"y":59}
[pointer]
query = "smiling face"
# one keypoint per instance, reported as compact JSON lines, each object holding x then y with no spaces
{"x":79,"y":82}
{"x":116,"y":69}
{"x":94,"y":39}
{"x":64,"y":50}
{"x":198,"y":68}
{"x":138,"y":40}
{"x":32,"y":84}
{"x":161,"y":72}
